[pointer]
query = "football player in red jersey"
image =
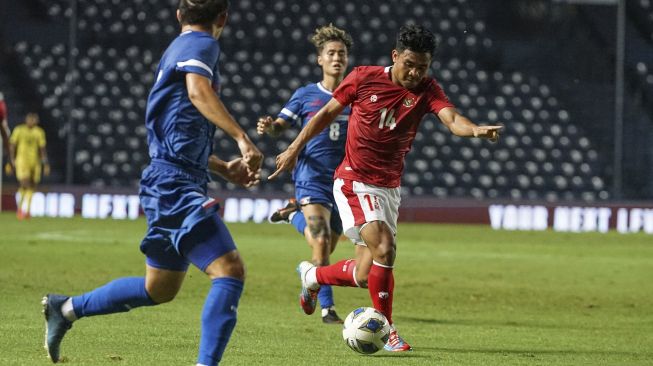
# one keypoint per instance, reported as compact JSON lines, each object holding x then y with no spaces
{"x":388,"y":103}
{"x":4,"y":126}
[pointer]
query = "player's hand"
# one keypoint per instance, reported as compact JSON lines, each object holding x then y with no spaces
{"x":264,"y":125}
{"x":285,"y":161}
{"x":252,"y":156}
{"x":9,"y":169}
{"x":238,"y":172}
{"x":488,"y":132}
{"x":46,"y":170}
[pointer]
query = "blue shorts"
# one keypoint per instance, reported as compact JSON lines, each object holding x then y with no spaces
{"x":312,"y":192}
{"x":183,"y":222}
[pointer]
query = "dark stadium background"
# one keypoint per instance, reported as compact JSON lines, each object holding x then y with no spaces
{"x":544,"y":69}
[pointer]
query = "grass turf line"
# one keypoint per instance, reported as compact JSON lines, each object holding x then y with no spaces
{"x":464,"y":295}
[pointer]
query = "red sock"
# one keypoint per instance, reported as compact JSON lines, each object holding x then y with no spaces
{"x":381,"y":284}
{"x":339,"y":274}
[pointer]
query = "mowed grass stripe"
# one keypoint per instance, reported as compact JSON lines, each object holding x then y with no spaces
{"x":465,"y":295}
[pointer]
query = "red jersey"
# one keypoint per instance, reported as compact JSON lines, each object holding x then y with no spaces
{"x":3,"y":110}
{"x":383,"y":123}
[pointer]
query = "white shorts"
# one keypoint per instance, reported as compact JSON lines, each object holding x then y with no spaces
{"x":360,"y":203}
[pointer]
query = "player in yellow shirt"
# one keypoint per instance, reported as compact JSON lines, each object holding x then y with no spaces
{"x":28,"y":157}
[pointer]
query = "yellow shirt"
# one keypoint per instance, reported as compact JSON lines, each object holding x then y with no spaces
{"x":28,"y":142}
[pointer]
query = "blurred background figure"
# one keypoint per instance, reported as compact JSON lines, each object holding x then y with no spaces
{"x":4,"y":125}
{"x":27,"y":158}
{"x":4,"y":140}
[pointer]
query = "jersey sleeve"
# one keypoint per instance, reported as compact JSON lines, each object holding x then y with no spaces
{"x":200,"y":59}
{"x":345,"y":93}
{"x":291,"y":112}
{"x":15,"y":136}
{"x":3,"y":110}
{"x":41,"y":138}
{"x":438,"y":100}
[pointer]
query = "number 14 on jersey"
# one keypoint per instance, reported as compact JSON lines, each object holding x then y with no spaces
{"x":387,"y":119}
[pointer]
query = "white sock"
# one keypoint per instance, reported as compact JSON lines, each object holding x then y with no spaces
{"x":325,"y":311}
{"x":292,"y":214}
{"x":67,"y":310}
{"x":311,"y":278}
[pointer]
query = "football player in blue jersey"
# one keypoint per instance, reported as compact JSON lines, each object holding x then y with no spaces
{"x":318,"y":220}
{"x":183,"y":111}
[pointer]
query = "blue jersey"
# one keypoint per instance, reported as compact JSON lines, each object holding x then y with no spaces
{"x":173,"y":189}
{"x":323,"y":153}
{"x":176,"y":131}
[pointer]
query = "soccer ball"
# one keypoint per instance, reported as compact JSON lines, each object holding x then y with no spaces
{"x":365,"y":330}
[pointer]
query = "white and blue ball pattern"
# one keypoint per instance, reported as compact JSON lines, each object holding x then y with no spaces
{"x":365,"y":330}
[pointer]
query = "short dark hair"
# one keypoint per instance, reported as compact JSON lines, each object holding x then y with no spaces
{"x":416,"y":38}
{"x":201,"y":12}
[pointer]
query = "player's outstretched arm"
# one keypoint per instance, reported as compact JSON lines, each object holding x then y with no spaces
{"x":4,"y":131}
{"x":287,"y":160}
{"x":235,"y":171}
{"x":203,"y":97}
{"x":460,"y":125}
{"x":272,"y":127}
{"x":12,"y":150}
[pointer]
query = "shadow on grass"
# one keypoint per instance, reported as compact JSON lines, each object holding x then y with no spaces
{"x":409,"y":319}
{"x":409,"y":354}
{"x":532,"y":353}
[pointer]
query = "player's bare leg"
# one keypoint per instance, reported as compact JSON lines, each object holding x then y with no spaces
{"x":29,"y":193}
{"x":380,"y":281}
{"x":322,"y":242}
{"x":363,"y":265}
{"x":316,"y":233}
{"x":163,"y":285}
{"x":24,"y":203}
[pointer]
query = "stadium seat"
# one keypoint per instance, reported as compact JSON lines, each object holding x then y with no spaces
{"x":266,"y":56}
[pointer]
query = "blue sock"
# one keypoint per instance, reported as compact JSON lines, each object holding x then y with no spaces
{"x":325,"y":296}
{"x":116,"y":296}
{"x":218,"y":318}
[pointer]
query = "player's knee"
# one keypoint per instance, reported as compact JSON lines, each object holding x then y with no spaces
{"x":320,"y":261}
{"x":361,"y":281}
{"x":229,"y":265}
{"x":161,"y":294}
{"x":319,"y":230}
{"x":238,"y":271}
{"x":385,"y":251}
{"x":334,"y":242}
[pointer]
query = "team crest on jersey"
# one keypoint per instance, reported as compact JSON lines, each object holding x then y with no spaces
{"x":373,"y":98}
{"x":408,"y":102}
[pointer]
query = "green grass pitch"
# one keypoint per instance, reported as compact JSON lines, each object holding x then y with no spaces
{"x":464,"y":295}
